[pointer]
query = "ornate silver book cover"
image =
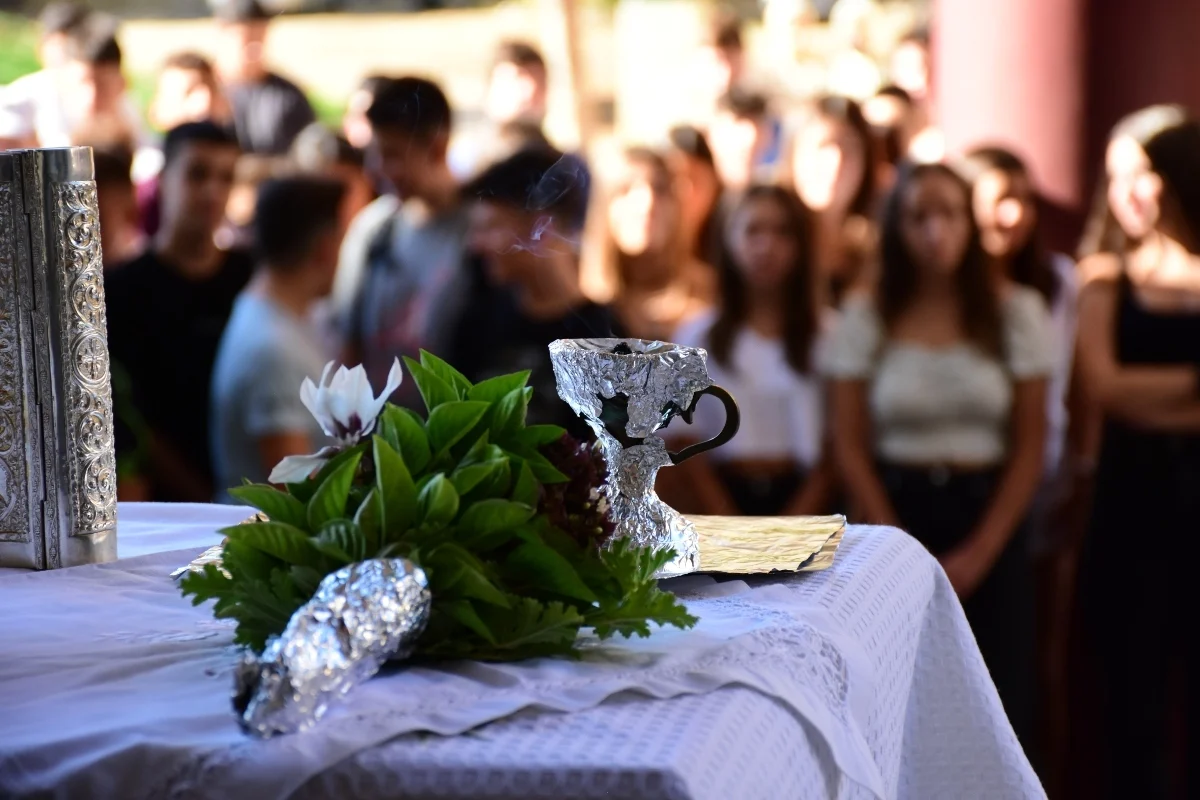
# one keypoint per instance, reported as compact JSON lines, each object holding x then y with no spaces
{"x":58,"y":478}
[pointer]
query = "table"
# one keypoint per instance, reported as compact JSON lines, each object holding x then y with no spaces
{"x":860,"y":681}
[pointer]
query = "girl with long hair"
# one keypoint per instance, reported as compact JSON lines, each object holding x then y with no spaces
{"x":832,"y":169}
{"x":1139,"y":347}
{"x":700,"y":192}
{"x":636,"y":254}
{"x":1005,"y":203}
{"x":761,"y":339}
{"x":938,"y":381}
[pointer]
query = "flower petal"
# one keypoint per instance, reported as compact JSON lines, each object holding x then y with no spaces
{"x":295,"y":469}
{"x":394,"y":379}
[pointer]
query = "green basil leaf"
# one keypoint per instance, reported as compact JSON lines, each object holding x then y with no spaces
{"x":538,"y":435}
{"x":329,"y":502}
{"x":542,"y":469}
{"x":467,"y":478}
{"x":285,"y":542}
{"x":369,"y":519}
{"x":474,"y":584}
{"x":446,"y":372}
{"x":434,"y":390}
{"x":405,"y":432}
{"x":342,"y":540}
{"x":438,"y":502}
{"x":508,"y":416}
{"x":450,"y":422}
{"x":547,"y":569}
{"x":525,"y":490}
{"x":494,"y":389}
{"x":397,"y":492}
{"x":278,"y":506}
{"x":462,"y":612}
{"x":491,"y":516}
{"x":306,"y":579}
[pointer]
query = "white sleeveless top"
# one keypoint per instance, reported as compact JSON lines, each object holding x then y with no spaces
{"x":782,"y":411}
{"x":948,"y":405}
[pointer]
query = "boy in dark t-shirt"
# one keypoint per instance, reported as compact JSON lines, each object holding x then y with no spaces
{"x":167,"y":309}
{"x":525,"y":216}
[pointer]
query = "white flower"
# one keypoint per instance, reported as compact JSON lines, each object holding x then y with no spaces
{"x":346,"y":410}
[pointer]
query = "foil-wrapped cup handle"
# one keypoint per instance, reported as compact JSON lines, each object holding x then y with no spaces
{"x":733,"y":421}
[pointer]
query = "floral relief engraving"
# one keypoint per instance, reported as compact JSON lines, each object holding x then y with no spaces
{"x":14,"y":497}
{"x":89,"y":417}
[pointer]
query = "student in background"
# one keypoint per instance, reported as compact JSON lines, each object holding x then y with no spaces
{"x":320,"y":151}
{"x":1139,"y":353}
{"x":700,"y":193}
{"x":762,"y":339}
{"x":32,"y":102}
{"x":187,"y":90}
{"x":516,"y":93}
{"x":938,"y":379}
{"x":400,"y":279}
{"x":268,"y":110}
{"x":355,"y":125}
{"x":269,"y":346}
{"x":526,"y":292}
{"x":740,"y":137}
{"x":832,"y":169}
{"x":636,"y":253}
{"x":1005,"y":206}
{"x":117,"y":205}
{"x":168,"y":307}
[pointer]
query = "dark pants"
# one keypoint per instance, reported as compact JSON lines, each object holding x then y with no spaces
{"x":1138,"y":600}
{"x":941,"y":509}
{"x":761,"y":496}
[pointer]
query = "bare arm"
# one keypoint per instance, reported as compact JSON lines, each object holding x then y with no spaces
{"x":853,"y":453}
{"x":1132,"y":393}
{"x":704,"y":490}
{"x":816,"y":495}
{"x":275,"y":447}
{"x":1022,"y":472}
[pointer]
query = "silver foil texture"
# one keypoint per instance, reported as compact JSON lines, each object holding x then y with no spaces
{"x":653,"y":381}
{"x":361,"y":616}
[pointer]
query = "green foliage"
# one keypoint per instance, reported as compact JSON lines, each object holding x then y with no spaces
{"x":458,"y":493}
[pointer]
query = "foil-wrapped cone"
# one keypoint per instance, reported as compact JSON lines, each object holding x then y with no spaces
{"x":361,"y":616}
{"x":627,"y":390}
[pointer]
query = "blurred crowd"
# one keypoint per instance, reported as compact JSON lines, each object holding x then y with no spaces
{"x":901,"y":345}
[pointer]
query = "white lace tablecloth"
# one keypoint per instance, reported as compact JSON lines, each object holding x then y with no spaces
{"x":861,"y":681}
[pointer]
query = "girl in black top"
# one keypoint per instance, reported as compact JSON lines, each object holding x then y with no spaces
{"x":1139,"y":346}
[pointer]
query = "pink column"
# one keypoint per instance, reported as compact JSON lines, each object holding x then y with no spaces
{"x":1011,"y":72}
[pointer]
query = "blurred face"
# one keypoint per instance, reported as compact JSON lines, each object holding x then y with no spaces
{"x":242,"y":50}
{"x":500,"y":236}
{"x":698,"y":189}
{"x":1134,"y":190}
{"x":516,"y":94}
{"x":355,"y":126}
{"x":935,"y":223}
{"x":93,"y":89}
{"x":1005,"y":210}
{"x":735,"y":142}
{"x":52,"y":51}
{"x":182,"y":95}
{"x":762,"y":243}
{"x":195,"y":187}
{"x":643,"y":215}
{"x":405,"y":162}
{"x":828,"y":165}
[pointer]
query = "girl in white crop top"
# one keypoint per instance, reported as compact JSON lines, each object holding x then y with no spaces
{"x":761,"y":343}
{"x":937,"y":387}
